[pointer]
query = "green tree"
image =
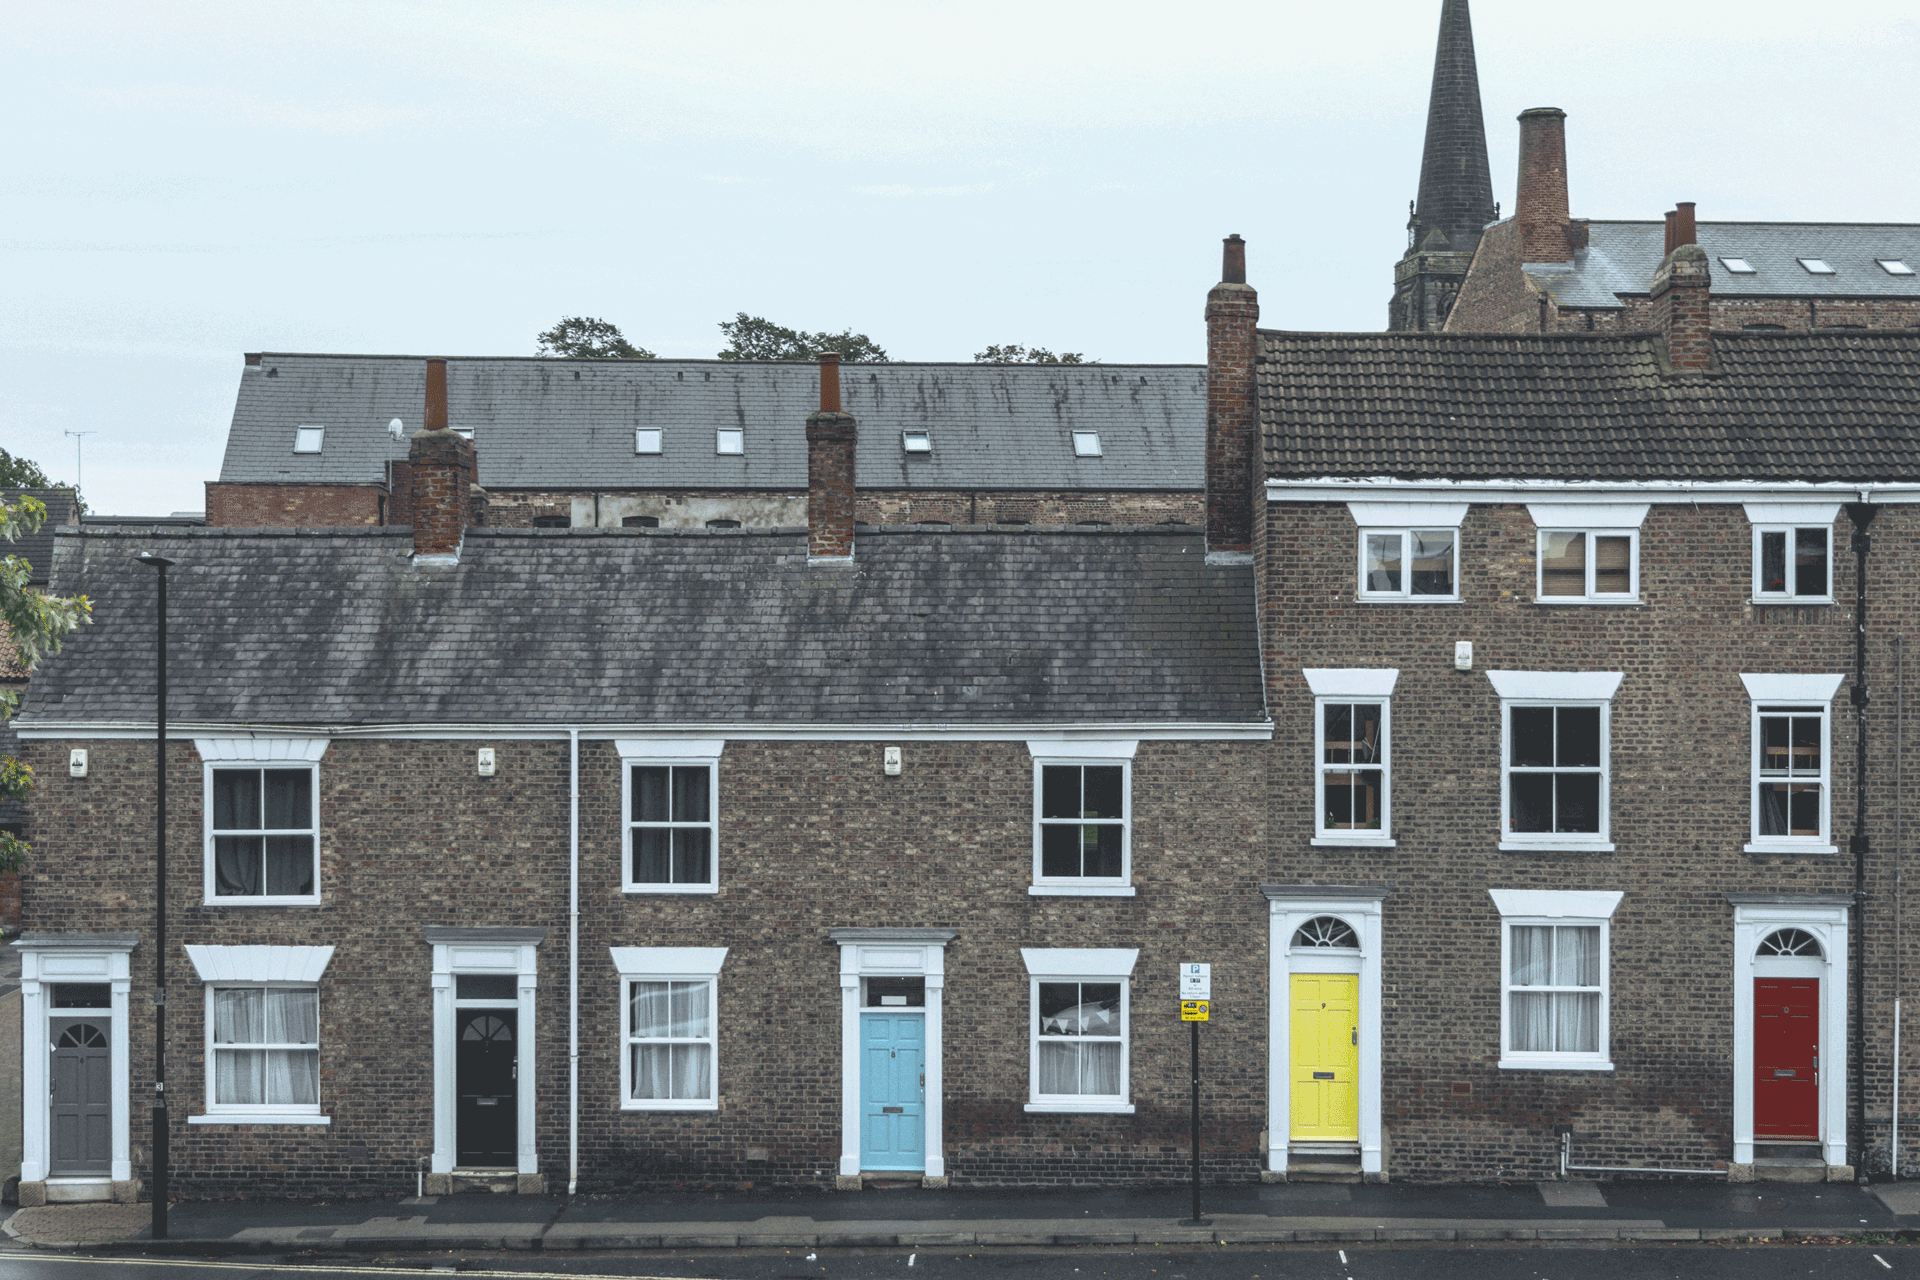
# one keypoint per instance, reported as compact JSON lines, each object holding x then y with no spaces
{"x":1014,"y":353}
{"x":19,"y":473}
{"x":36,"y":625}
{"x":754,"y":338}
{"x":589,"y":338}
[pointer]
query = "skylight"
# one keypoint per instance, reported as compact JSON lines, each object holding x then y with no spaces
{"x":1086,"y":444}
{"x":1894,"y":267}
{"x":916,"y":442}
{"x":1739,"y":266}
{"x":308,"y":439}
{"x":646,"y":441}
{"x":1816,"y":266}
{"x":730,"y":440}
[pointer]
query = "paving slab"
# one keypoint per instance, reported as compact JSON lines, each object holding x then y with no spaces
{"x":1902,"y":1198}
{"x":1572,"y":1195}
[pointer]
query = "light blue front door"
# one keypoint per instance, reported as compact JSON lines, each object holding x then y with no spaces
{"x":893,"y":1133}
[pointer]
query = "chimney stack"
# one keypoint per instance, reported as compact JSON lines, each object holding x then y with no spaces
{"x":1540,"y":204}
{"x":1233,"y":311}
{"x":440,"y":464}
{"x":831,"y":436}
{"x":1682,"y":294}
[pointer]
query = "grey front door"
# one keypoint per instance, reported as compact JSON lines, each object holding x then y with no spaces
{"x":487,"y":1114}
{"x":81,"y":1111}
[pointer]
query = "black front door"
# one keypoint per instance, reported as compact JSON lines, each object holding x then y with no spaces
{"x":486,"y":1115}
{"x":81,"y":1110}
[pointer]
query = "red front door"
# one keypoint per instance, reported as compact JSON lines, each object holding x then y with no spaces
{"x":1786,"y":1058}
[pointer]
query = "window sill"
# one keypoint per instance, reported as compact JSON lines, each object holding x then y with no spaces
{"x":1556,"y":846}
{"x":1590,"y":601}
{"x":1813,"y":847}
{"x":1354,"y":842}
{"x":1081,"y":890}
{"x":1080,"y":1108}
{"x":227,"y":901}
{"x":269,"y":1117}
{"x":671,"y":888}
{"x":1408,"y":599}
{"x":1550,"y":1063}
{"x":631,"y":1105}
{"x":1790,"y":602}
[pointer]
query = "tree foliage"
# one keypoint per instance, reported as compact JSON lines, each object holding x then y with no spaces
{"x":19,"y":473}
{"x":755,"y":338}
{"x":1014,"y":353}
{"x":36,"y":625}
{"x":589,"y":338}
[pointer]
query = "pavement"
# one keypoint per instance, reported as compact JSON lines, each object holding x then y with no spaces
{"x":912,"y":1216}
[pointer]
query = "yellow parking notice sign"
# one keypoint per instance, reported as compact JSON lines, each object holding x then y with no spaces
{"x":1193,"y":1010}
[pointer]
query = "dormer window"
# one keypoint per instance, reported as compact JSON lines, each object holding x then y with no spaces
{"x":1086,"y":444}
{"x":1816,"y":266}
{"x":1739,"y":266}
{"x":647,"y":441}
{"x":916,"y":442}
{"x":308,"y":439}
{"x":730,"y":440}
{"x":1894,"y":267}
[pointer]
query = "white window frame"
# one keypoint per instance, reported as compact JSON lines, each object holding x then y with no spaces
{"x":309,"y":439}
{"x":283,"y":968}
{"x":257,"y":753}
{"x":1556,"y":689}
{"x":1589,"y":595}
{"x":1551,"y":907}
{"x":1054,"y":753}
{"x":1080,"y":964}
{"x":1800,"y":695}
{"x":1790,"y":518}
{"x":729,"y":442}
{"x":1377,"y":519}
{"x":669,"y":964}
{"x":1334,"y":685}
{"x":649,"y":440}
{"x":666,"y":753}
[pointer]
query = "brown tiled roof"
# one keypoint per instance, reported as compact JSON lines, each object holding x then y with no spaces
{"x":1834,"y":405}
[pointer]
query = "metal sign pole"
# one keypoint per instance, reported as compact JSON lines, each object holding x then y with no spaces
{"x":1198,"y":1221}
{"x":1196,"y":994}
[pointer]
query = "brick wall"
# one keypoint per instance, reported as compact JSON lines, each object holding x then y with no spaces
{"x":314,"y":506}
{"x":813,"y":837}
{"x":1680,"y":761}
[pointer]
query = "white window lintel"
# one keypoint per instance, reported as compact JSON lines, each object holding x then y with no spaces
{"x":1408,"y":515}
{"x":1588,"y":515}
{"x":303,"y":965}
{"x":1079,"y":962}
{"x":1556,"y":904}
{"x":1078,"y":749}
{"x":1556,"y":686}
{"x":669,"y":748}
{"x":298,"y":750}
{"x":639,"y":962}
{"x":1351,"y":682}
{"x":1791,"y":688}
{"x":1808,"y":513}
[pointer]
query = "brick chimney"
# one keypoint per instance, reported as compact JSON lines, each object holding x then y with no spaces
{"x":1233,"y":310}
{"x":1540,"y":204}
{"x":831,"y":435}
{"x":441,"y":466}
{"x":1682,"y":290}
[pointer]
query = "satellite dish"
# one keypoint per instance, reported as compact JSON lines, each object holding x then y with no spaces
{"x":396,"y":428}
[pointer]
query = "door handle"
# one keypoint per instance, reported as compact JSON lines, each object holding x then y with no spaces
{"x":1356,"y":1035}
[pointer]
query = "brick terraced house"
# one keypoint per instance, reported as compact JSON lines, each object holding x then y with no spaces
{"x":632,"y":856}
{"x":1568,"y":641}
{"x":321,"y":441}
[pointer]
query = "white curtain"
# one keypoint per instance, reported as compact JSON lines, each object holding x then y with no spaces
{"x":668,"y":1012}
{"x":285,"y":1075}
{"x":1555,"y":1021}
{"x":1080,"y":1067}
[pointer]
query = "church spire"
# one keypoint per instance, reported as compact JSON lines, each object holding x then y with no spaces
{"x":1456,"y":184}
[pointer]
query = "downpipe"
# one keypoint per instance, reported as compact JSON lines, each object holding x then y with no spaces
{"x":1567,"y":1166}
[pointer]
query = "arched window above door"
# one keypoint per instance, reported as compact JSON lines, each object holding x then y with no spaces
{"x":1790,"y":942}
{"x":1326,"y":931}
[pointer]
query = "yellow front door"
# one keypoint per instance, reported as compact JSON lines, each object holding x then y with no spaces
{"x":1326,"y":1057}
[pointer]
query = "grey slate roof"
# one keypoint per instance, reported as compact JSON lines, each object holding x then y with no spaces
{"x":37,"y":548}
{"x":1832,"y":405}
{"x":655,"y":626}
{"x":569,"y":424}
{"x":1621,"y":257}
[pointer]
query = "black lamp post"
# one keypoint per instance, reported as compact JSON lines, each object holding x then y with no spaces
{"x":160,"y":1126}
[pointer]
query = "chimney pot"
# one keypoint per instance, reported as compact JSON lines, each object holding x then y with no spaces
{"x":1683,"y":228}
{"x":436,"y":414}
{"x":1233,"y":260}
{"x":829,"y":382}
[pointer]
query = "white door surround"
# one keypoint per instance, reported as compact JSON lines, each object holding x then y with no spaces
{"x":47,"y":959}
{"x":1755,"y":917}
{"x":1289,"y":907}
{"x":889,"y":953}
{"x":501,"y":950}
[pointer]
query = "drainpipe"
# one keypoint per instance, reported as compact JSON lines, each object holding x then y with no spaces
{"x":1899,"y":879}
{"x":1862,"y":514}
{"x":573,"y":962}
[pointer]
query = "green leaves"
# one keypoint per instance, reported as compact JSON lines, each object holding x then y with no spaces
{"x":589,"y":338}
{"x":755,"y":338}
{"x":1014,"y":353}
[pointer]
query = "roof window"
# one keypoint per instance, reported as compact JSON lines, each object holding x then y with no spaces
{"x":645,"y":441}
{"x":308,"y":439}
{"x":1086,"y":444}
{"x":1894,"y":267}
{"x":553,"y":522}
{"x":730,"y":440}
{"x":639,"y":522}
{"x":916,"y":442}
{"x":1816,"y":266}
{"x":723,"y":524}
{"x":1739,"y":266}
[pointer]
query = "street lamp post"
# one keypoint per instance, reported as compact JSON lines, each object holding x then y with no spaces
{"x":160,"y":1126}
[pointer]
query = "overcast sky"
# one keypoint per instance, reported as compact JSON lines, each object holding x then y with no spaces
{"x":185,"y":182}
